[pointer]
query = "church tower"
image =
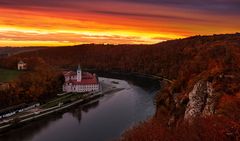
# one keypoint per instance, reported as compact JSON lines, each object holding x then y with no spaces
{"x":79,"y":74}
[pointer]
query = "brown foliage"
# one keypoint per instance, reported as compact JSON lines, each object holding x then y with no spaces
{"x":39,"y":84}
{"x":229,"y":106}
{"x":207,"y":129}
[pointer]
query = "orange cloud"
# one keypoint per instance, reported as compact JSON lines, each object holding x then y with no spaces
{"x":106,"y":23}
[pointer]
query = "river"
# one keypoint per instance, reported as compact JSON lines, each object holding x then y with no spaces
{"x":103,"y":120}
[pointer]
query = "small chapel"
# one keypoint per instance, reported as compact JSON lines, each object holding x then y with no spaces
{"x":21,"y":65}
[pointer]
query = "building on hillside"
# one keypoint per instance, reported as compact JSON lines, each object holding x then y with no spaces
{"x":21,"y":65}
{"x":80,"y":81}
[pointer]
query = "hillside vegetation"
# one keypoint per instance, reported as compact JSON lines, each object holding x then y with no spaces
{"x":206,"y":82}
{"x":7,"y":75}
{"x":17,"y":50}
{"x":38,"y":84}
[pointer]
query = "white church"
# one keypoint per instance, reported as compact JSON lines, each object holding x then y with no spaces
{"x":21,"y":65}
{"x":80,"y":81}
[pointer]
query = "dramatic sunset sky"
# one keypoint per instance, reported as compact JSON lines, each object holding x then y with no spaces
{"x":69,"y":22}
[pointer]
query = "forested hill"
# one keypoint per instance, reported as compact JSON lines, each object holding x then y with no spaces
{"x":7,"y":51}
{"x":168,"y":59}
{"x":180,"y":60}
{"x":205,"y":71}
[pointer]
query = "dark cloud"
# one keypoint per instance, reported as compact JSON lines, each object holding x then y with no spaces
{"x":61,"y":4}
{"x":155,"y":16}
{"x":222,"y":6}
{"x":55,"y":2}
{"x":214,"y":5}
{"x":17,"y":3}
{"x":125,"y":21}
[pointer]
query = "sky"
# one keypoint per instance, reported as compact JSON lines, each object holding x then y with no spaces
{"x":71,"y":22}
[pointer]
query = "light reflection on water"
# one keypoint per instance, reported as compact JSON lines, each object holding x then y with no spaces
{"x":100,"y":121}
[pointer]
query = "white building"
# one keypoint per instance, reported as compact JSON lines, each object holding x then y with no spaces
{"x":21,"y":65}
{"x":80,"y":82}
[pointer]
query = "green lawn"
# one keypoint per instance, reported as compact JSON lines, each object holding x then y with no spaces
{"x":8,"y":75}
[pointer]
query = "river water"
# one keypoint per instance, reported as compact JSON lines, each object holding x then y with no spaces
{"x":103,"y":120}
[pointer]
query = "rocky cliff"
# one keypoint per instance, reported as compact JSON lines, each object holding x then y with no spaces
{"x":202,"y":100}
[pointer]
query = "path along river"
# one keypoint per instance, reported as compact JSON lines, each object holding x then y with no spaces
{"x":103,"y":120}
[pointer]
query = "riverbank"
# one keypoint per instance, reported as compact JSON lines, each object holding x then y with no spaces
{"x":106,"y":117}
{"x":132,"y":76}
{"x":66,"y":101}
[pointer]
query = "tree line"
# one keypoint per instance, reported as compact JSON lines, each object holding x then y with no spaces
{"x":40,"y":83}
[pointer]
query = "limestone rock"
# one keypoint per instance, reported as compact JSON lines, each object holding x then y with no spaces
{"x":197,"y":98}
{"x":202,"y":101}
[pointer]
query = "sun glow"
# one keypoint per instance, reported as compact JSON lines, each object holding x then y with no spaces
{"x":46,"y":26}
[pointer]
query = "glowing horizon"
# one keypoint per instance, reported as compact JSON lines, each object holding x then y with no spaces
{"x":54,"y":23}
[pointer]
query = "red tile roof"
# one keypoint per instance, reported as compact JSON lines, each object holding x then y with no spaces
{"x":87,"y":78}
{"x":83,"y":82}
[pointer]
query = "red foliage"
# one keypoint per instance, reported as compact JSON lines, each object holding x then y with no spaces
{"x":229,"y":106}
{"x":207,"y":129}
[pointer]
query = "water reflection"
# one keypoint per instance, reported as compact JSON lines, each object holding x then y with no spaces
{"x":85,"y":108}
{"x":102,"y":120}
{"x":77,"y":113}
{"x":30,"y":129}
